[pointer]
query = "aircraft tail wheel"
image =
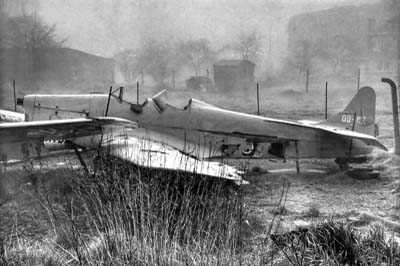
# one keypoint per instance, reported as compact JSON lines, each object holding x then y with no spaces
{"x":343,"y":164}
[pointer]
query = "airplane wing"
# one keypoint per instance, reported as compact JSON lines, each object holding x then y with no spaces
{"x":59,"y":129}
{"x":367,"y":139}
{"x":140,"y":151}
{"x":260,"y":138}
{"x":153,"y":154}
{"x":293,"y":128}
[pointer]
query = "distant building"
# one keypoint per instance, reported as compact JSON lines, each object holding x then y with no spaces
{"x":234,"y":74}
{"x":199,"y":83}
{"x":349,"y":37}
{"x":52,"y":70}
{"x":58,"y":67}
{"x":382,"y":42}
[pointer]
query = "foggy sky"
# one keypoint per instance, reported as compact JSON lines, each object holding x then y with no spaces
{"x":105,"y":27}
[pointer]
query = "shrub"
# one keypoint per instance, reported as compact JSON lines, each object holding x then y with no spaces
{"x":313,"y":211}
{"x":334,"y":243}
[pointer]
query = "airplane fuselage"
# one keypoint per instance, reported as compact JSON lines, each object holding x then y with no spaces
{"x":200,"y":129}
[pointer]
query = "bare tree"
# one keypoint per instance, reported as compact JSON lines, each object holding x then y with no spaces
{"x":158,"y":60}
{"x":197,"y":53}
{"x":36,"y":34}
{"x":340,"y":50}
{"x":248,"y":46}
{"x":302,"y":55}
{"x":127,"y":63}
{"x":274,"y":11}
{"x":26,"y":30}
{"x":16,"y":8}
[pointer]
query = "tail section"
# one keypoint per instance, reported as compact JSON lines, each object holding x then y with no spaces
{"x":359,"y":115}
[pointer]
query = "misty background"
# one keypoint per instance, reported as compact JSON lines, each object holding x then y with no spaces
{"x":84,"y":46}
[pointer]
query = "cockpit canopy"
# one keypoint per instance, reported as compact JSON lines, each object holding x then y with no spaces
{"x":161,"y":102}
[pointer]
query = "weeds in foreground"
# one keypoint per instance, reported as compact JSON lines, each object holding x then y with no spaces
{"x":122,"y":215}
{"x":334,"y":243}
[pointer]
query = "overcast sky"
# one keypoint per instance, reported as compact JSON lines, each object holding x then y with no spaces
{"x":104,"y":27}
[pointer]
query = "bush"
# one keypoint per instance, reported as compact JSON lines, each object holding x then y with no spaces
{"x":334,"y":243}
{"x":313,"y":211}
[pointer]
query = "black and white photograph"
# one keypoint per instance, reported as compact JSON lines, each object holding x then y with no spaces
{"x":200,"y":132}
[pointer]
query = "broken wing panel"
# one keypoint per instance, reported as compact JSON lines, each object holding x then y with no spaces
{"x":148,"y":153}
{"x":58,"y":129}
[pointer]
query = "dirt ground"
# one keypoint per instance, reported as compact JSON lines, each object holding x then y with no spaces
{"x":320,"y":192}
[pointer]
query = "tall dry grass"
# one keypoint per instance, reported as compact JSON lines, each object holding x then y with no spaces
{"x":124,"y":215}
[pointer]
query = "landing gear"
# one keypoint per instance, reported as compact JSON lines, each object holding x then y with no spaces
{"x":250,"y":149}
{"x":343,"y":164}
{"x":3,"y":162}
{"x":78,"y":154}
{"x":344,"y":167}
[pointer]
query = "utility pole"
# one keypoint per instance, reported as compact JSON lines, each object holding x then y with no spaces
{"x":258,"y":100}
{"x":397,"y":13}
{"x":208,"y":76}
{"x":326,"y":100}
{"x":307,"y":78}
{"x":173,"y":79}
{"x":358,"y":78}
{"x":15,"y":96}
{"x":137,"y":93}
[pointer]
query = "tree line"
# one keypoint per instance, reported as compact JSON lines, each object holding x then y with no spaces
{"x":23,"y":28}
{"x":159,"y":59}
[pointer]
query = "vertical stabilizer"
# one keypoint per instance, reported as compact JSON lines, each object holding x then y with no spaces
{"x":359,"y":115}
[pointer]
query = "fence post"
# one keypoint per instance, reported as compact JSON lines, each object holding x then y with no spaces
{"x":137,"y":93}
{"x":258,"y":100}
{"x":173,"y":79}
{"x":208,"y":76}
{"x":15,"y":96}
{"x":326,"y":100}
{"x":307,"y":79}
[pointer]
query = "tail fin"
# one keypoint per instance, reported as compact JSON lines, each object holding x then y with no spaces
{"x":362,"y":109}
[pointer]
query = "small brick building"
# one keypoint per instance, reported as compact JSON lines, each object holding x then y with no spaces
{"x":234,"y":74}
